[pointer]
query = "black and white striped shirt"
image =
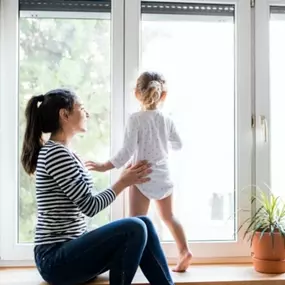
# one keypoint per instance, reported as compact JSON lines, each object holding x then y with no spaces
{"x":64,"y":197}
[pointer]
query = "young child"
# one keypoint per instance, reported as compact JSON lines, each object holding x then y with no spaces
{"x":147,"y":137}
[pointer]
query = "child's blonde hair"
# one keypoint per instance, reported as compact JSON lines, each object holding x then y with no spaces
{"x":149,"y":88}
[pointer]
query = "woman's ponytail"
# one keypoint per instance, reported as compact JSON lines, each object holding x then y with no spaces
{"x":33,"y":135}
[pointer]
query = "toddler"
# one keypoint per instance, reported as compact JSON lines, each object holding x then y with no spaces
{"x":148,"y":135}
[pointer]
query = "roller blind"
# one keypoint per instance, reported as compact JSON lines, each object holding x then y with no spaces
{"x":65,"y":5}
{"x":187,"y":8}
{"x":154,"y":7}
{"x":277,"y":9}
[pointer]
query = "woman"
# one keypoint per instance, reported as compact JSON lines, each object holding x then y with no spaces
{"x":64,"y":252}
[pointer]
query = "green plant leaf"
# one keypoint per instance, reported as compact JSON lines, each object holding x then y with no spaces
{"x":269,"y":217}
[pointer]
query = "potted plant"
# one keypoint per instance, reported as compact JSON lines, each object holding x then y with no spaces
{"x":266,"y":232}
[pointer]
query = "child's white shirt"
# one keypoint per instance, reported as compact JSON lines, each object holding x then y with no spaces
{"x":148,"y":135}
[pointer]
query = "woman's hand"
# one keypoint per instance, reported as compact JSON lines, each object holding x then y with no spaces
{"x":136,"y":174}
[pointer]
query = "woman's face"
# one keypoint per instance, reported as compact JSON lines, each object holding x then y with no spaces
{"x":76,"y":120}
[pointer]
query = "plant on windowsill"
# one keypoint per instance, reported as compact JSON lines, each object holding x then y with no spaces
{"x":266,"y":232}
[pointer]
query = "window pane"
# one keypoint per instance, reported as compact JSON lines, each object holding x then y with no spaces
{"x":277,"y":103}
{"x":196,"y":55}
{"x":73,"y":53}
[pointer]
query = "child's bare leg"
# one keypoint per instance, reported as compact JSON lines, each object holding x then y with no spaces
{"x":165,"y":210}
{"x":139,"y":203}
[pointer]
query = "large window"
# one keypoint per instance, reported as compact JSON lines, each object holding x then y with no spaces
{"x":72,"y":53}
{"x":201,"y":99}
{"x":203,"y":50}
{"x":269,"y":97}
{"x":98,"y":48}
{"x":47,"y":45}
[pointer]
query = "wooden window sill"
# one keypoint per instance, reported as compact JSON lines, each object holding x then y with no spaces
{"x":196,"y":275}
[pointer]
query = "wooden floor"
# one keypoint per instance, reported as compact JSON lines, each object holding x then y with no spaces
{"x":196,"y":275}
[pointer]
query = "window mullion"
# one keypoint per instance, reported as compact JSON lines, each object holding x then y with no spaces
{"x":117,"y":93}
{"x":132,"y":58}
{"x":262,"y":91}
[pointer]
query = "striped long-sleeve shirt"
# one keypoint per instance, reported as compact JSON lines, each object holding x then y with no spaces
{"x":64,"y":195}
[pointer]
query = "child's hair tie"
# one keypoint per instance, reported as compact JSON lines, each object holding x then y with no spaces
{"x":155,"y":84}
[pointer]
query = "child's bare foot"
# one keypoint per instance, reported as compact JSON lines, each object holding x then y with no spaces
{"x":184,"y":262}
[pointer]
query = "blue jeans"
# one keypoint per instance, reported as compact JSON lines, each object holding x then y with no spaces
{"x":120,"y":247}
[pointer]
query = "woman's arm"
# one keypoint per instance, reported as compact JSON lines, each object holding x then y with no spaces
{"x":61,"y":165}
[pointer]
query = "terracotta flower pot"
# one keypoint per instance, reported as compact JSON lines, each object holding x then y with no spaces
{"x":266,"y":257}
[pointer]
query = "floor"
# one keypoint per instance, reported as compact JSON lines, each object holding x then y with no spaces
{"x":196,"y":275}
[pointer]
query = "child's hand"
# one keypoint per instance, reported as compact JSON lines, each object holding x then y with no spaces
{"x":100,"y":167}
{"x":95,"y":166}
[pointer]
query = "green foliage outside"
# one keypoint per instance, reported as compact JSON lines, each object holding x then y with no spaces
{"x":72,"y":53}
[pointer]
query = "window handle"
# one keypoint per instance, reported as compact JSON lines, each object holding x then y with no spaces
{"x":264,"y":124}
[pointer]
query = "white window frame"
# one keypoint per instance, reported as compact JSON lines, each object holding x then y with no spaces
{"x":10,"y":249}
{"x":262,"y":92}
{"x":263,"y":156}
{"x":263,"y":100}
{"x":9,"y":127}
{"x":125,"y":66}
{"x":209,"y":251}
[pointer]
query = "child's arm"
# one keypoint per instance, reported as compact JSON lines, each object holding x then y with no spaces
{"x":174,"y":138}
{"x":129,"y":144}
{"x":124,"y":154}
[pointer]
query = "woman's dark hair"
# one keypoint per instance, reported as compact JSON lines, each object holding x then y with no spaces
{"x":42,"y":115}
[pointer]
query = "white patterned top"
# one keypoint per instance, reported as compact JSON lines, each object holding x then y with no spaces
{"x":148,"y":135}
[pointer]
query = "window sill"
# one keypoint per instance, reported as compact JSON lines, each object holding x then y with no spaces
{"x":196,"y":275}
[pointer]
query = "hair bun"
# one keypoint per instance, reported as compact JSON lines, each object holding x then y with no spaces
{"x":155,"y":84}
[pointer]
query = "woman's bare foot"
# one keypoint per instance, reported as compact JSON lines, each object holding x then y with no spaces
{"x":184,"y":262}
